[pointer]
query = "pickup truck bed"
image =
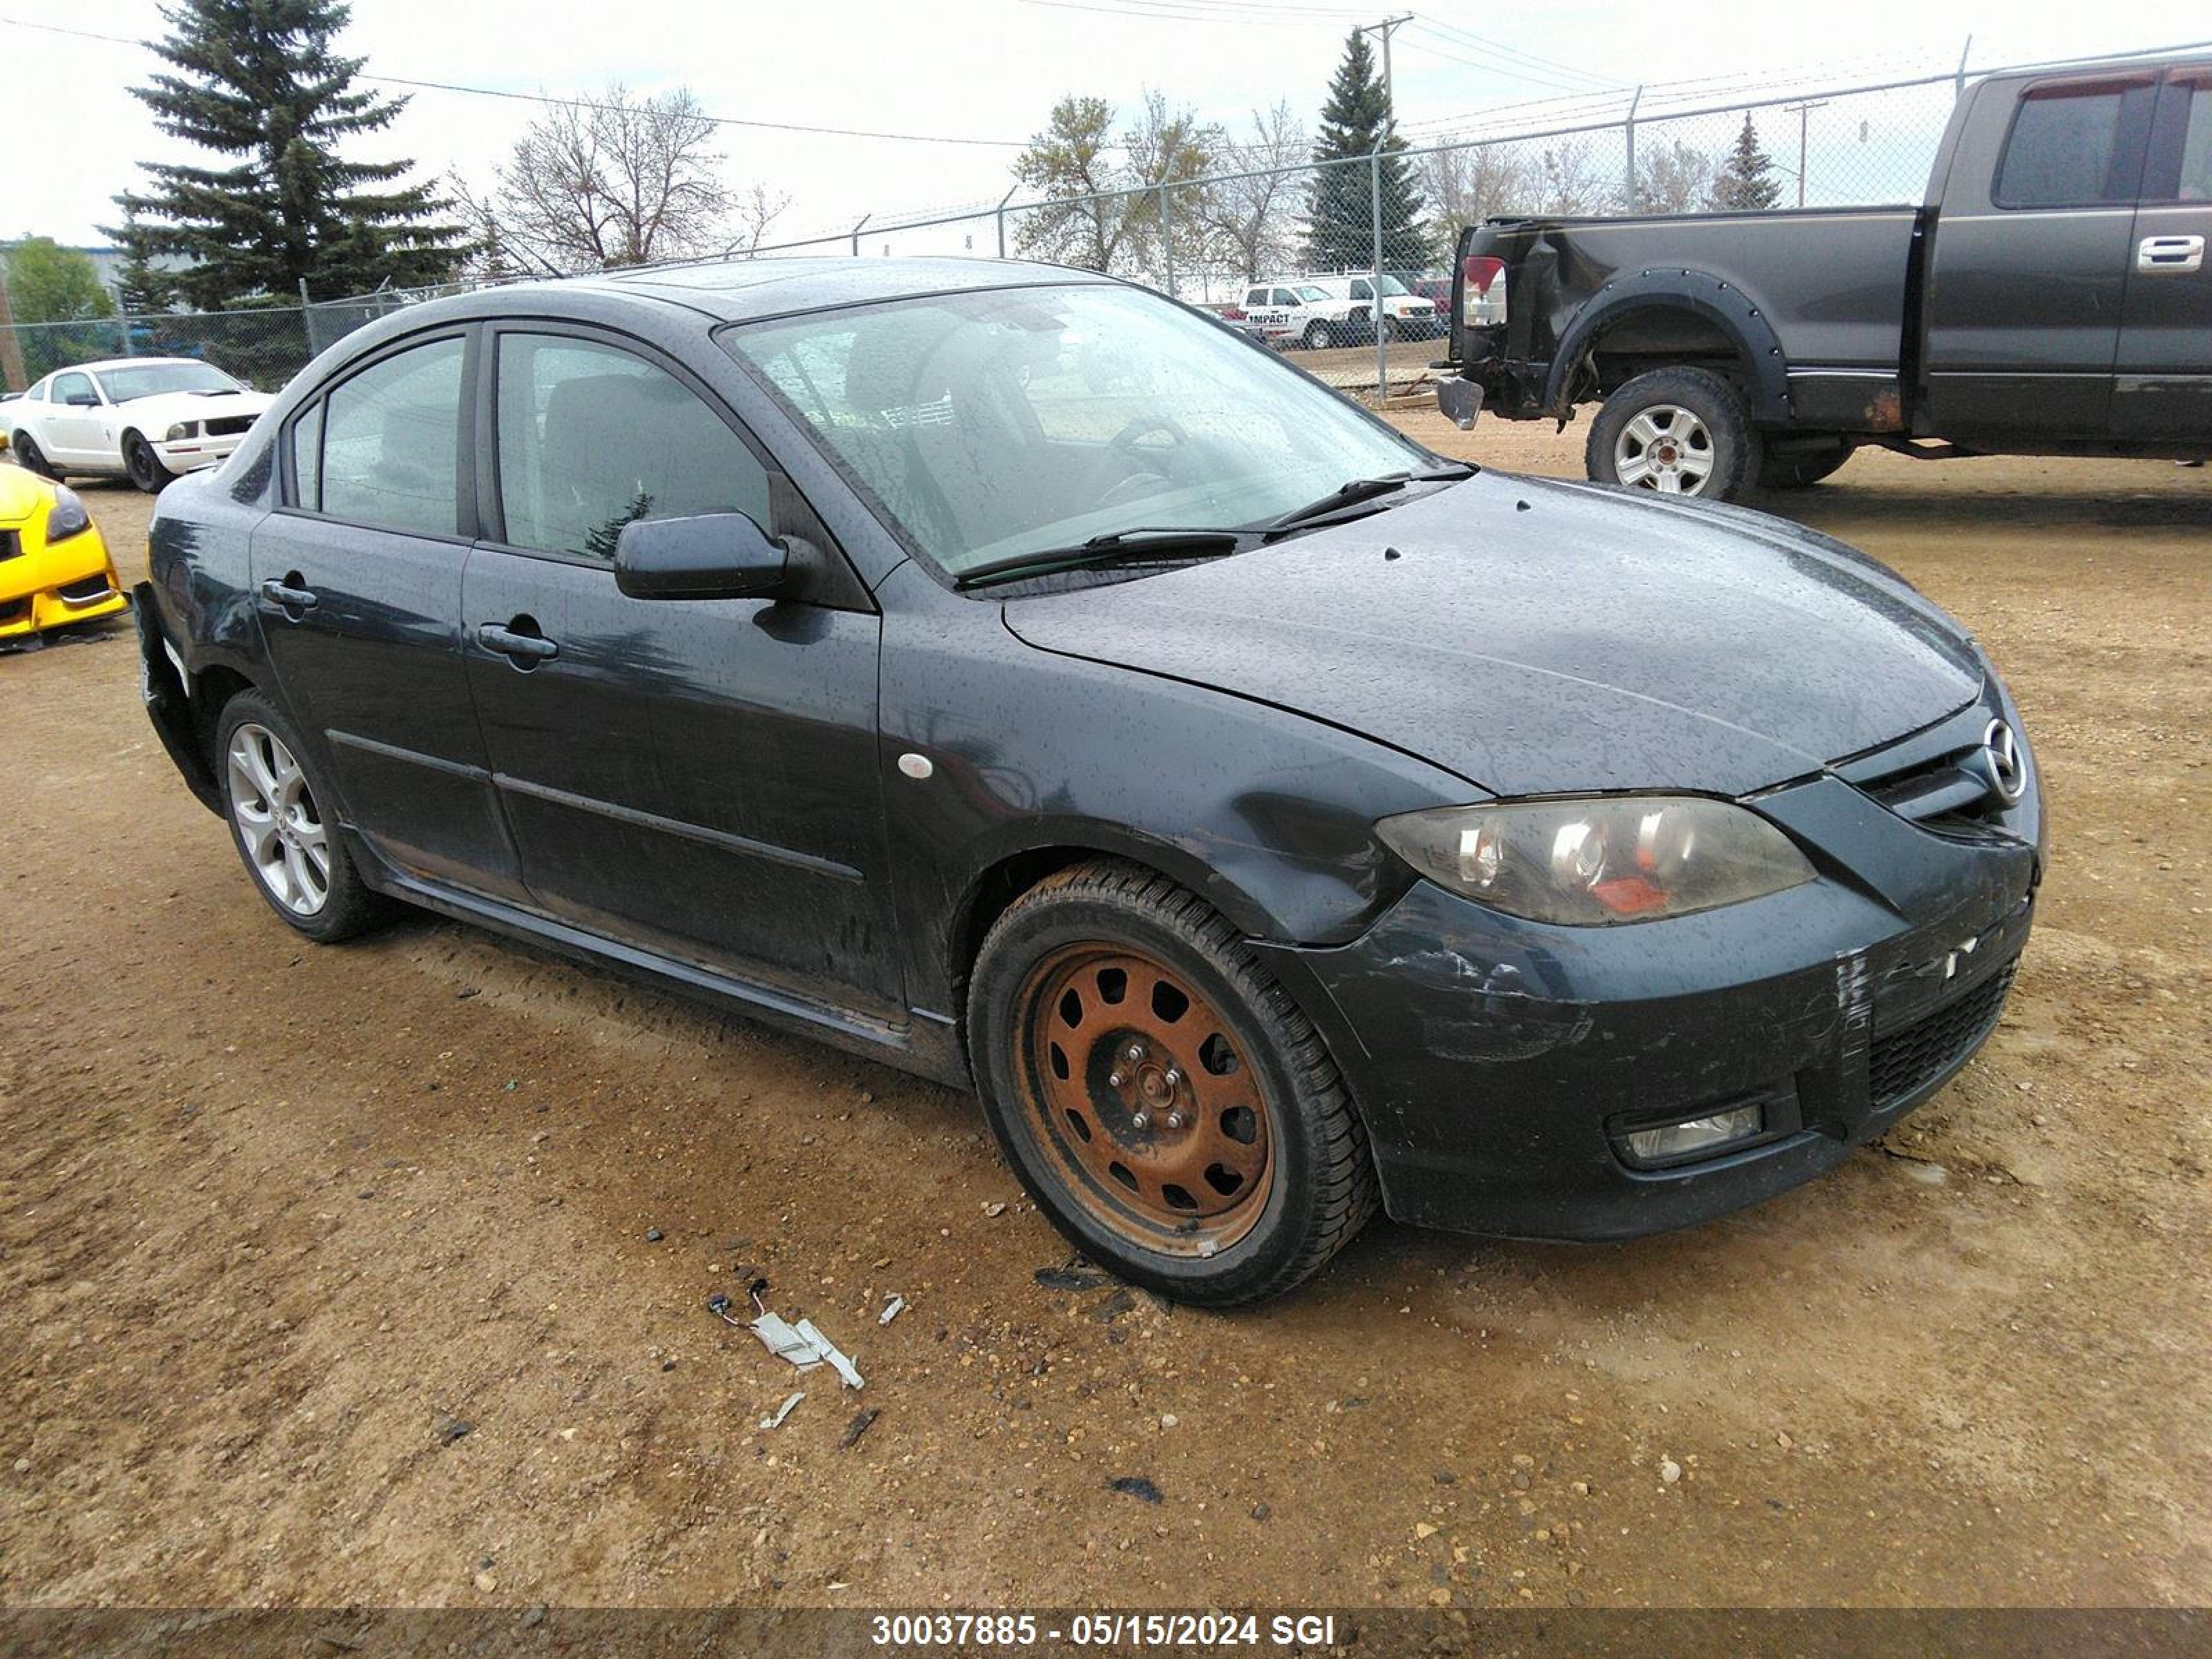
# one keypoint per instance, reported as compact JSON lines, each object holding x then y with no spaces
{"x":2049,"y":296}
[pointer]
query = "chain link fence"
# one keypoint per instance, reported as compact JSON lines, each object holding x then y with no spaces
{"x":1216,"y":241}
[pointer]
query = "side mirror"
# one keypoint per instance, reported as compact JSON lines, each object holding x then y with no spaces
{"x":716,"y":555}
{"x":1459,"y":400}
{"x":81,"y":400}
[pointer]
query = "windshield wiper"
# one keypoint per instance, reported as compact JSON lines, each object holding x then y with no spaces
{"x":1121,"y":547}
{"x":1350,"y":493}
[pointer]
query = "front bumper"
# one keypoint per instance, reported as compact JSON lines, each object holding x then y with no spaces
{"x":44,"y":586}
{"x":1499,"y":1063}
{"x":193,"y":454}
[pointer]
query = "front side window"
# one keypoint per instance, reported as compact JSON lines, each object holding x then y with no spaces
{"x":391,"y":450}
{"x":1361,"y":291}
{"x":75,"y":390}
{"x":592,"y":438}
{"x":2060,"y":154}
{"x":992,"y":425}
{"x":1285,"y":297}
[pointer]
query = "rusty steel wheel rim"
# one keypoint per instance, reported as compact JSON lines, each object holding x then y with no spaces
{"x":1143,"y":1094}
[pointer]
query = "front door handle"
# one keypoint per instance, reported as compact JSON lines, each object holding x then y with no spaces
{"x":523,"y":648}
{"x":288,"y":593}
{"x":2170,"y":256}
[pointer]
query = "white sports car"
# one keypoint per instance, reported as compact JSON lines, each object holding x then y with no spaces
{"x":148,"y":418}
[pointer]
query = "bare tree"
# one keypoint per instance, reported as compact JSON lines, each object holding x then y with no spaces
{"x":613,"y":180}
{"x":1088,"y":224}
{"x":1569,"y":181}
{"x":1672,"y":179}
{"x":1256,"y":222}
{"x":1470,"y":184}
{"x":756,"y":209}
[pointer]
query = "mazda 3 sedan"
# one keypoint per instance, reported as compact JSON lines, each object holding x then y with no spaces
{"x":1013,"y":675}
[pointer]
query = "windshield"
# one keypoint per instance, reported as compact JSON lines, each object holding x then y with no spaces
{"x":989,"y":425}
{"x":153,"y":379}
{"x":1390,"y":286}
{"x":1310,"y":292}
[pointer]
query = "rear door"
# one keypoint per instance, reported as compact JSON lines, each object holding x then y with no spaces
{"x":2031,"y":256}
{"x":2162,"y":391}
{"x":357,"y":579}
{"x":699,"y":777}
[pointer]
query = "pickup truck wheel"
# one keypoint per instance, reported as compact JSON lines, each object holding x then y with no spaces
{"x":288,"y":840}
{"x":1159,"y":1095}
{"x":31,"y":459}
{"x":1318,"y":337}
{"x":1801,"y":469}
{"x":1677,"y":431}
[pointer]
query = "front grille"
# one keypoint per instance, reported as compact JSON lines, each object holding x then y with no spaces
{"x":1940,"y":794}
{"x":228,"y":426}
{"x":1907,"y":1059}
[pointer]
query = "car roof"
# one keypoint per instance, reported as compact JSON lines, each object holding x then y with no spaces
{"x":737,"y":291}
{"x":105,"y":364}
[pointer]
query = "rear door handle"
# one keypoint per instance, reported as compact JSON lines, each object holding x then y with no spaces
{"x":289,"y":597}
{"x":522,"y":648}
{"x":2170,"y":256}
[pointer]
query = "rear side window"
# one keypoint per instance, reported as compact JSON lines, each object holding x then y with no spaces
{"x":2197,"y":147}
{"x":391,"y":438}
{"x":308,"y":457}
{"x":592,"y":438}
{"x":1256,"y":296}
{"x":2061,"y":150}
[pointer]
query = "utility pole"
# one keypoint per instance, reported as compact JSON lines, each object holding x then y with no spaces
{"x":1803,"y":110}
{"x":1384,"y":28}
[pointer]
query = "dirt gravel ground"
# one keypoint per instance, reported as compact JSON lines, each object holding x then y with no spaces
{"x":330,"y":1274}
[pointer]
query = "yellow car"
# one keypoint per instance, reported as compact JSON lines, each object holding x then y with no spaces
{"x":54,"y":568}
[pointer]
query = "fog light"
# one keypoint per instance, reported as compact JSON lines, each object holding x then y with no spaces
{"x":1668,"y":1143}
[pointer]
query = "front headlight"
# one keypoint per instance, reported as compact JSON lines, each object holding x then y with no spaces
{"x":66,"y":517}
{"x":182,"y":429}
{"x":1595,"y":863}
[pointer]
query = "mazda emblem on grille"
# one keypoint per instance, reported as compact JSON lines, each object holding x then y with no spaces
{"x":1999,"y":764}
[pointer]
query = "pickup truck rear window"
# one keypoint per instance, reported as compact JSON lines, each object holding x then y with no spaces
{"x":2060,"y":153}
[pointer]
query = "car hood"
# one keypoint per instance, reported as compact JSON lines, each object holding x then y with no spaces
{"x":164,"y":409}
{"x":1539,"y":637}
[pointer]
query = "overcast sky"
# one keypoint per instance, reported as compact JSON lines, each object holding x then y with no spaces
{"x":987,"y":69}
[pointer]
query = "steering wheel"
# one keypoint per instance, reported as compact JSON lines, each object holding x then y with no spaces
{"x":1124,"y":442}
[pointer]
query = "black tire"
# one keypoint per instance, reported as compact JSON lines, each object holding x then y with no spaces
{"x":143,"y":466}
{"x":1730,"y":448}
{"x":1800,"y":468}
{"x":348,"y":907}
{"x":1318,"y":1187}
{"x":1319,"y":336}
{"x":31,"y":458}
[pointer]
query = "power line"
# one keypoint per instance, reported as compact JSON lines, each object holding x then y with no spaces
{"x":552,"y":101}
{"x":1469,"y":37}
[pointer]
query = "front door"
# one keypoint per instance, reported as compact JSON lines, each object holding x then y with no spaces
{"x":2022,"y":306}
{"x":76,"y":422}
{"x":699,"y":777}
{"x":357,"y":579}
{"x":2163,"y":390}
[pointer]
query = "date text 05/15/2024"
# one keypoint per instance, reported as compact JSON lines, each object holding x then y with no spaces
{"x":1088,"y":1629}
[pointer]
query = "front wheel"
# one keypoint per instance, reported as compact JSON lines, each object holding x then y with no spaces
{"x":1678,"y":432}
{"x":143,"y":466}
{"x":1317,"y":335}
{"x":1159,"y":1095}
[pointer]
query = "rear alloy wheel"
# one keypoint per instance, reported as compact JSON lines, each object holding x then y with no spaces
{"x":283,"y":833}
{"x":143,"y":466}
{"x":1161,"y":1097}
{"x":31,"y":459}
{"x":1676,"y":432}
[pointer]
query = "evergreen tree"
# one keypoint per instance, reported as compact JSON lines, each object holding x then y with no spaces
{"x":1748,"y":179}
{"x":141,"y":287}
{"x":1340,"y":205}
{"x":259,"y":80}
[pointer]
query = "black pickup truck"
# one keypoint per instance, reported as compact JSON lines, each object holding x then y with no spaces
{"x":2049,"y":297}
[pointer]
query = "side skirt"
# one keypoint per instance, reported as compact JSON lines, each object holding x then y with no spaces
{"x":926,"y":1046}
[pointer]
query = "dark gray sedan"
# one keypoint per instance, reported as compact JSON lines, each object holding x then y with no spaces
{"x":1012,"y":675}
